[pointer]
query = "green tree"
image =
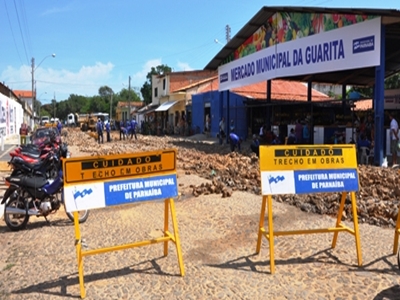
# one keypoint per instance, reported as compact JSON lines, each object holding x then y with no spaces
{"x":123,"y":95}
{"x":105,"y":91}
{"x":392,"y":82}
{"x":146,"y":89}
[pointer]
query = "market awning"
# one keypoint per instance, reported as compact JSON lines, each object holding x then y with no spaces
{"x":166,"y":105}
{"x":147,"y":109}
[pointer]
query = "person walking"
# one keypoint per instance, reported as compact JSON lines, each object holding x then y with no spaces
{"x":306,"y":134}
{"x":100,"y":131}
{"x":23,"y":132}
{"x":121,"y":130}
{"x":255,"y":145}
{"x":291,"y":139}
{"x":108,"y":129}
{"x":133,"y":128}
{"x":59,"y":126}
{"x":298,"y":129}
{"x":394,"y":138}
{"x":221,"y":130}
{"x":232,"y":126}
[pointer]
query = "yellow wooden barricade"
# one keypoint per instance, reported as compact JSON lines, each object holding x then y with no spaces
{"x":269,"y":233}
{"x":276,"y":162}
{"x":168,"y":236}
{"x":93,"y":182}
{"x":396,"y":234}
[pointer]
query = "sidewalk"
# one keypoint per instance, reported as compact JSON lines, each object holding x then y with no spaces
{"x":9,"y":144}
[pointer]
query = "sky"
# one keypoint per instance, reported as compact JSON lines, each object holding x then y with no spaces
{"x":98,"y":42}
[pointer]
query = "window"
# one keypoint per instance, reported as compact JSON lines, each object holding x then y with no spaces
{"x":155,"y":92}
{"x":163,"y":84}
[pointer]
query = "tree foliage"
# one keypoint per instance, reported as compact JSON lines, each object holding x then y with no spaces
{"x":83,"y":104}
{"x":146,"y":88}
{"x":392,"y":82}
{"x":123,"y":95}
{"x":105,"y":91}
{"x":101,"y":102}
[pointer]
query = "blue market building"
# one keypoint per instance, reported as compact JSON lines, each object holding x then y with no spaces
{"x":339,"y":46}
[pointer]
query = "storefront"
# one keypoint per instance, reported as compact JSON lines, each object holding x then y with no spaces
{"x":327,"y":45}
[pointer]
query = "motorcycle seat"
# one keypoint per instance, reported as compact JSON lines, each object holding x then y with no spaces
{"x":31,"y":154}
{"x":28,"y":181}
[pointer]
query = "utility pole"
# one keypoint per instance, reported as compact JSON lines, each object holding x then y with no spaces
{"x":111,"y":106}
{"x":54,"y":106}
{"x":33,"y":88}
{"x":129,"y":100}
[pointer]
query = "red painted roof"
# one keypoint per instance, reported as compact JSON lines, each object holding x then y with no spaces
{"x":133,"y":104}
{"x":281,"y":90}
{"x":23,"y":93}
{"x":178,"y":80}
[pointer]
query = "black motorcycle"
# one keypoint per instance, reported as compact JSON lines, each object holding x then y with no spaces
{"x":34,"y":195}
{"x":36,"y":190}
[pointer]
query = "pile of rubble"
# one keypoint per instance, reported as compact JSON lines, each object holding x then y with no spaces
{"x":377,"y":201}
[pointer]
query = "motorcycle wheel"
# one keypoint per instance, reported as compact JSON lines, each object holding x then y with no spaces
{"x":15,"y":221}
{"x":83,"y":216}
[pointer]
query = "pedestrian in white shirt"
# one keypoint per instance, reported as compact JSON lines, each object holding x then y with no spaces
{"x":394,"y":138}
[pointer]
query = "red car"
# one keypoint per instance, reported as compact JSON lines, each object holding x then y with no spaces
{"x":42,"y":133}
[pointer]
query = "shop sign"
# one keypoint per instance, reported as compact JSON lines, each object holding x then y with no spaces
{"x":345,"y":48}
{"x":308,"y":169}
{"x":392,"y":99}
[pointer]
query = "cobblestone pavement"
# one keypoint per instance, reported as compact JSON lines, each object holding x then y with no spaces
{"x":218,"y":239}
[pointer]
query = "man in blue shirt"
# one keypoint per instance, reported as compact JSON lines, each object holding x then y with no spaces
{"x":108,"y":129}
{"x":234,"y":140}
{"x":59,"y":126}
{"x":121,"y":130}
{"x":99,"y":128}
{"x":255,"y":145}
{"x":133,"y":128}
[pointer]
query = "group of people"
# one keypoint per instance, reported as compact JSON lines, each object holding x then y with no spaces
{"x":300,"y":134}
{"x":100,"y":128}
{"x":127,"y":128}
{"x":233,"y":139}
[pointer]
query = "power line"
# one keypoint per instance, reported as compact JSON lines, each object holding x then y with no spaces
{"x":22,"y":36}
{"x":26,"y":27}
{"x":12,"y":32}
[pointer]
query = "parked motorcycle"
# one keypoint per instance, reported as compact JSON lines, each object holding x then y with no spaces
{"x":35,"y":186}
{"x":33,"y":195}
{"x":35,"y":160}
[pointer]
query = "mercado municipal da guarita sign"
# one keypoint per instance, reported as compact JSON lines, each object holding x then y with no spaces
{"x":310,"y":46}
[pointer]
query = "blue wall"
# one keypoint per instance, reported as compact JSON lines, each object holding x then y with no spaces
{"x":219,"y":103}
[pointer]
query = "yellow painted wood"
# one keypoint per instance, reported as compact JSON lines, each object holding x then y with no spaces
{"x":396,"y":234}
{"x":356,"y":231}
{"x":166,"y":222}
{"x":177,"y":239}
{"x":78,"y":245}
{"x":339,"y":218}
{"x":169,"y":205}
{"x":270,"y":233}
{"x":271,"y":236}
{"x":311,"y":231}
{"x":261,"y":229}
{"x":109,"y":167}
{"x":306,"y":157}
{"x":125,"y":246}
